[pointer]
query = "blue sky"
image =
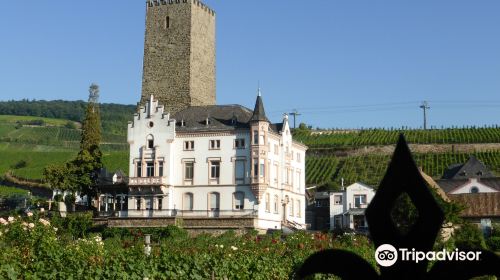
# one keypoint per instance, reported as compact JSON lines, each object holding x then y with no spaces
{"x":345,"y":64}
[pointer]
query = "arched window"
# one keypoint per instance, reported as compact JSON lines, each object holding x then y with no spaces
{"x":188,"y":202}
{"x":239,"y":200}
{"x":474,"y":189}
{"x":150,"y":141}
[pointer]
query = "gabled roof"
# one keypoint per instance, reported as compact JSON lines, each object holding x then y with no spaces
{"x":473,"y":168}
{"x":259,"y":114}
{"x":479,"y":204}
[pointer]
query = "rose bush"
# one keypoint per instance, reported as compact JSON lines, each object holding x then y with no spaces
{"x":38,"y":251}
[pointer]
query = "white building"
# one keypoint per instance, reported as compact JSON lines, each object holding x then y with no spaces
{"x":215,"y":161}
{"x":347,"y":207}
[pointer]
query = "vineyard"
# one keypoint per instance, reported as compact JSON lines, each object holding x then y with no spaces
{"x":328,"y":139}
{"x":29,"y":164}
{"x":370,"y":168}
{"x":55,"y":136}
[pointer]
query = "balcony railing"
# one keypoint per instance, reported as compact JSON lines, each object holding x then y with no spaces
{"x":147,"y":181}
{"x":246,"y":213}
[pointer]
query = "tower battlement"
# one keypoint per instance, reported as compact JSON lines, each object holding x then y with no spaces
{"x":155,"y":3}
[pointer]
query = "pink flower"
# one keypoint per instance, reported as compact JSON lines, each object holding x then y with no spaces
{"x":3,"y":221}
{"x":29,"y":214}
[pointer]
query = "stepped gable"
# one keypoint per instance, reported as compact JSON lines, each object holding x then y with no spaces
{"x":473,"y":168}
{"x":220,"y":117}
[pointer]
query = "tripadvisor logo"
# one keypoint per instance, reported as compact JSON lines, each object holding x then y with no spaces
{"x":386,"y":255}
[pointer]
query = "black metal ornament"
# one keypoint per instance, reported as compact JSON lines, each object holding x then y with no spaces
{"x":402,"y":176}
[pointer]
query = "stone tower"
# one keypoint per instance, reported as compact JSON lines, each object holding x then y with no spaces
{"x":179,"y":54}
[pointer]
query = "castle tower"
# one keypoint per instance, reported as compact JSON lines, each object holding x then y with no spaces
{"x":179,"y":54}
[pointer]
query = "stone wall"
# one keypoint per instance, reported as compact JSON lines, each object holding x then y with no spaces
{"x":191,"y":223}
{"x":179,"y":54}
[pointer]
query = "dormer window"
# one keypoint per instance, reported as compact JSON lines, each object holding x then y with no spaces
{"x":150,"y":142}
{"x":479,"y":173}
{"x":474,"y":189}
{"x":463,"y":173}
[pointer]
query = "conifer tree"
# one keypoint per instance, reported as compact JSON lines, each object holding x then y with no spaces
{"x":89,"y":159}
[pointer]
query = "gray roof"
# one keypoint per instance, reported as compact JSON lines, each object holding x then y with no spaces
{"x":473,"y":168}
{"x":221,"y":118}
{"x":450,"y":185}
{"x":259,"y":114}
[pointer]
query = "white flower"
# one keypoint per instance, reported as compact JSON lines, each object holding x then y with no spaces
{"x":44,"y":222}
{"x":229,"y":255}
{"x":234,"y":248}
{"x":55,"y":229}
{"x":31,"y":225}
{"x":10,"y":219}
{"x":29,"y":214}
{"x":42,"y":210}
{"x":222,"y":246}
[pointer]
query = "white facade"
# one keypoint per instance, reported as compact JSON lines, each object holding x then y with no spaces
{"x":214,"y":172}
{"x":473,"y":185}
{"x":347,"y":207}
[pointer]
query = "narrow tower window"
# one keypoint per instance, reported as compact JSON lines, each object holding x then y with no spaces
{"x":167,"y":22}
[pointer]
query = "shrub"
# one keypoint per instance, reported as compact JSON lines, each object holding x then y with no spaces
{"x":469,"y":236}
{"x":76,"y":225}
{"x":58,"y":198}
{"x":494,"y":243}
{"x":20,"y":164}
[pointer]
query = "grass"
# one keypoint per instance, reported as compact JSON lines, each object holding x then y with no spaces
{"x":38,"y":157}
{"x":11,"y":191}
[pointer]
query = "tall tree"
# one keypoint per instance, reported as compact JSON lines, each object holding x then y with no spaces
{"x":89,"y":159}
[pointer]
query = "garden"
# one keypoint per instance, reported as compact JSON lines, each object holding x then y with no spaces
{"x":35,"y":246}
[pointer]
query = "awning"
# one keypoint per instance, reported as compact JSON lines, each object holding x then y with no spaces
{"x":355,"y":211}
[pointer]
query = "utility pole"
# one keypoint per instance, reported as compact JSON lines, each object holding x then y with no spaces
{"x":295,"y":113}
{"x":425,"y":107}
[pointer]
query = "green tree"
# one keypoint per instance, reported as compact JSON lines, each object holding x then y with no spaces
{"x":89,"y":159}
{"x":56,"y":176}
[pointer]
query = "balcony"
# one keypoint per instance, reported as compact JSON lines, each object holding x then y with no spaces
{"x":147,"y":181}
